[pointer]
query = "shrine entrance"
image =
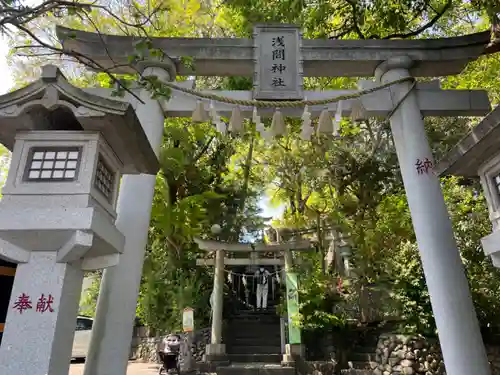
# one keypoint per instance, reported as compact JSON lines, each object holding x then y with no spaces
{"x":392,"y":92}
{"x":265,"y":271}
{"x":244,"y":284}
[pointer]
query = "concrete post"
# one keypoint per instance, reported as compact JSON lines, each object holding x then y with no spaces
{"x":215,"y":350}
{"x":116,"y":308}
{"x":458,"y":328}
{"x":41,"y":319}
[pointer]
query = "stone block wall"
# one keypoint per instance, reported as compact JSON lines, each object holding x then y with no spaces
{"x":393,"y":354}
{"x":400,"y":354}
{"x":316,"y":367}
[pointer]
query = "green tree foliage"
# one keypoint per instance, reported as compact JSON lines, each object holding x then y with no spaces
{"x":348,"y":185}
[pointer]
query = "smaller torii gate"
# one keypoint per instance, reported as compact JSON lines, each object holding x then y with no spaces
{"x":216,"y":350}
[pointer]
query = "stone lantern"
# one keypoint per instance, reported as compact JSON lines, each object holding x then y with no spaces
{"x":478,"y":154}
{"x":57,"y":214}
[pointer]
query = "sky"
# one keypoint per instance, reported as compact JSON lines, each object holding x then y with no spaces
{"x":5,"y":75}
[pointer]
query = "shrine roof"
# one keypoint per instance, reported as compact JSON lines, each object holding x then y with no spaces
{"x":52,"y":103}
{"x":211,"y":245}
{"x":476,"y":148}
{"x":321,"y":57}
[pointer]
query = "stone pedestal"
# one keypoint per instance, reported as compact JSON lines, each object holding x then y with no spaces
{"x":216,"y":353}
{"x":292,"y":351}
{"x":188,"y":363}
{"x":456,"y":321}
{"x":38,"y":337}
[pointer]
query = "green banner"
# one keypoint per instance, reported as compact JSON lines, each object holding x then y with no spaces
{"x":292,"y":302}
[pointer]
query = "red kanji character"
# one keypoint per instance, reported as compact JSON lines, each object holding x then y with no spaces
{"x":424,"y":166}
{"x":23,"y":303}
{"x":45,"y":304}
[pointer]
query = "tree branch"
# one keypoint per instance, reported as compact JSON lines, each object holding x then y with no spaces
{"x":421,"y":29}
{"x":355,"y":25}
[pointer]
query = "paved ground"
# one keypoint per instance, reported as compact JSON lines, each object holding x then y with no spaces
{"x":134,"y":368}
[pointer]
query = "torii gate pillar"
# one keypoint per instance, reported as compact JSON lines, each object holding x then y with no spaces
{"x":216,"y":350}
{"x":458,"y":328}
{"x":109,"y":348}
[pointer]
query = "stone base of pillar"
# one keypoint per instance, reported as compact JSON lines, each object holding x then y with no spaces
{"x":292,"y":351}
{"x":40,"y":324}
{"x":216,"y":353}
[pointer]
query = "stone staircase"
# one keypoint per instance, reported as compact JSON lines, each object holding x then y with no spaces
{"x":361,"y":360}
{"x":253,"y":344}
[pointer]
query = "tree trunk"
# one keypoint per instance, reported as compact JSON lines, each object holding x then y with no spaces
{"x":246,"y":181}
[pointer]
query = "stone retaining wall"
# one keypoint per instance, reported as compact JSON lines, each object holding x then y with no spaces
{"x":316,"y":367}
{"x":147,"y":347}
{"x":399,"y":354}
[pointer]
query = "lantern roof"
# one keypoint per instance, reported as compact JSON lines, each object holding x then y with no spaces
{"x":52,"y":103}
{"x":476,"y":148}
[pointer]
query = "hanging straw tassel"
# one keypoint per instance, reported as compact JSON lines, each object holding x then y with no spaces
{"x":358,"y":112}
{"x":264,"y":133}
{"x":338,"y":119}
{"x":267,"y":135}
{"x":199,"y":113}
{"x":220,"y":125}
{"x":325,"y":123}
{"x":236,"y":122}
{"x":259,"y":126}
{"x":278,"y":126}
{"x":306,"y":130}
{"x":212,"y":111}
{"x":255,"y":116}
{"x":306,"y":114}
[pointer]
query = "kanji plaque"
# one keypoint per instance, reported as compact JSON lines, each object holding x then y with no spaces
{"x":278,"y":63}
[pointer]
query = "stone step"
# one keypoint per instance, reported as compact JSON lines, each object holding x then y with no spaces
{"x":274,"y":340}
{"x":268,"y":318}
{"x":252,"y":331}
{"x":252,"y":323}
{"x":252,"y":358}
{"x":253,"y":328}
{"x":361,"y":365}
{"x":353,"y":371}
{"x":254,"y":349}
{"x":360,"y":356}
{"x":255,"y":369}
{"x":364,"y":349}
{"x":255,"y":318}
{"x":268,"y":311}
{"x":257,"y":336}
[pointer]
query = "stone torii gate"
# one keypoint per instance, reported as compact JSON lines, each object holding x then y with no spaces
{"x":388,"y":61}
{"x":216,"y":350}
